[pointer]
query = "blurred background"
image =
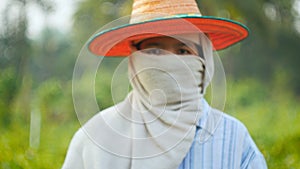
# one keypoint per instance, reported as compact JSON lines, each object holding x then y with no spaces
{"x":40,"y":41}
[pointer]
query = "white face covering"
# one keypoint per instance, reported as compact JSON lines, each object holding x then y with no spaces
{"x":154,"y":127}
{"x":166,"y":105}
{"x":166,"y":80}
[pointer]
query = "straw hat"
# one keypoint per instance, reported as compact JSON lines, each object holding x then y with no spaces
{"x":150,"y":18}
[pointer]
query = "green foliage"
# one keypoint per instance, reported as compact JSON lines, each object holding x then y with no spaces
{"x":36,"y":78}
{"x":271,"y":114}
{"x":53,"y":56}
{"x":273,"y":39}
{"x":54,"y":138}
{"x":91,"y":15}
{"x":54,"y":100}
{"x":8,"y":89}
{"x":105,"y":78}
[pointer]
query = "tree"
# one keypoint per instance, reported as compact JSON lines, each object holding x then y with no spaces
{"x":15,"y":50}
{"x":272,"y":44}
{"x":14,"y":32}
{"x":91,"y":15}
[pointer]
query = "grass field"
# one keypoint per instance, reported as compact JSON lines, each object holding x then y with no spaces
{"x":270,"y":114}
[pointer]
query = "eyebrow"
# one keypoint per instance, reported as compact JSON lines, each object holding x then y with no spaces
{"x":189,"y":45}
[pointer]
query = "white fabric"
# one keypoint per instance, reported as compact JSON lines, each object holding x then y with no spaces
{"x":166,"y":107}
{"x":154,"y":127}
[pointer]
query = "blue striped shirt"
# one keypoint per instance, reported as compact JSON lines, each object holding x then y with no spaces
{"x":222,"y":142}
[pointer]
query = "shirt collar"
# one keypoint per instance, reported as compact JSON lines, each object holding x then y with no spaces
{"x":210,"y":118}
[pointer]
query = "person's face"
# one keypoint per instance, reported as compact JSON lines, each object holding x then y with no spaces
{"x":164,"y":45}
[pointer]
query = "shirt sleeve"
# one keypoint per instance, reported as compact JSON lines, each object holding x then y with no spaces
{"x":252,"y":158}
{"x":258,"y":162}
{"x":73,"y":158}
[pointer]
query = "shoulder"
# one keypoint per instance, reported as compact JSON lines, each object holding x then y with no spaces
{"x":227,"y":129}
{"x":228,"y":140}
{"x":79,"y":139}
{"x":217,"y":122}
{"x":106,"y":124}
{"x":251,"y":157}
{"x":232,"y":128}
{"x":81,"y":136}
{"x":230,"y":121}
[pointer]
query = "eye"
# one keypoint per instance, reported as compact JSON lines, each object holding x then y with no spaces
{"x":184,"y":51}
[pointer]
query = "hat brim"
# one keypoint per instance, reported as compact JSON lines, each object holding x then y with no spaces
{"x":117,"y":41}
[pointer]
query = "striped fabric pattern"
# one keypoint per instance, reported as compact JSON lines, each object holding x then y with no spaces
{"x":227,"y":145}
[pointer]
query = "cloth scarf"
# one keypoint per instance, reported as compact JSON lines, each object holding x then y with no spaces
{"x":165,"y":107}
{"x":154,"y":127}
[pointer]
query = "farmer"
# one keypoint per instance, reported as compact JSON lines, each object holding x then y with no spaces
{"x":165,"y":122}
